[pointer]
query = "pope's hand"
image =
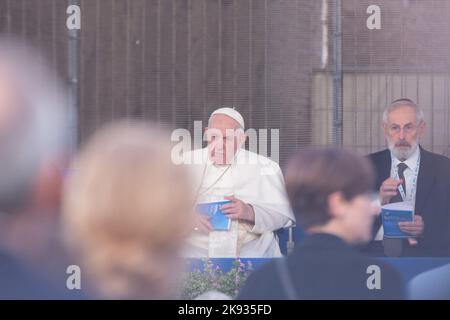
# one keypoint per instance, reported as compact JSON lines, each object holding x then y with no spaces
{"x":238,"y":209}
{"x":202,"y":223}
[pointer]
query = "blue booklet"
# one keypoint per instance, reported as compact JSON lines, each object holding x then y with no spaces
{"x":392,"y":214}
{"x":219,"y":220}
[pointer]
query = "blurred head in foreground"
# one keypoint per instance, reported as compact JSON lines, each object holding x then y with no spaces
{"x":35,"y":135}
{"x":126,"y":212}
{"x":330,"y":192}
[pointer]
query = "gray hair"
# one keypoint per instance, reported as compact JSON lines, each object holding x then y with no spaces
{"x":400,"y":103}
{"x":42,"y":125}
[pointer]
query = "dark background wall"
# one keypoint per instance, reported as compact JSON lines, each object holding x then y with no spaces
{"x":177,"y":60}
{"x":41,"y":23}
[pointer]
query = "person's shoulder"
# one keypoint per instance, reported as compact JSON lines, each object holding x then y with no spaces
{"x":423,"y":286}
{"x":378,"y":156}
{"x":253,"y":158}
{"x":262,"y":159}
{"x":439,"y":163}
{"x":437,"y":158}
{"x":262,"y":284}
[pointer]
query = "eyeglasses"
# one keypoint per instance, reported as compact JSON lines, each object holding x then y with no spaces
{"x":407,"y":128}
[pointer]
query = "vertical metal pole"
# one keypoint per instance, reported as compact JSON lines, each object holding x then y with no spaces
{"x":72,"y":64}
{"x":337,"y":76}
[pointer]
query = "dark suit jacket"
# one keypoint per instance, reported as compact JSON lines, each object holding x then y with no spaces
{"x":323,"y":267}
{"x":432,"y":200}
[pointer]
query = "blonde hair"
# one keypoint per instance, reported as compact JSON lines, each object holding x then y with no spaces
{"x":126,"y":209}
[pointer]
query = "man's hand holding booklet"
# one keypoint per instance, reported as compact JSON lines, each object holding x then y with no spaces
{"x":392,"y":214}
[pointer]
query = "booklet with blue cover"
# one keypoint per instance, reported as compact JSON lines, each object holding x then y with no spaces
{"x":219,"y":220}
{"x":392,"y":214}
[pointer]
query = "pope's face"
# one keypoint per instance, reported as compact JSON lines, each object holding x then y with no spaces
{"x":224,"y":138}
{"x":403,"y":131}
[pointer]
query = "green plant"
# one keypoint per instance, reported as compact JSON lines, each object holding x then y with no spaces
{"x":213,"y":278}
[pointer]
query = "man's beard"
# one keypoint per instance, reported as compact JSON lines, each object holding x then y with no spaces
{"x":402,"y":150}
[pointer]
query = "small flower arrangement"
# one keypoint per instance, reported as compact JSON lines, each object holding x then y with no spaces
{"x":213,"y":278}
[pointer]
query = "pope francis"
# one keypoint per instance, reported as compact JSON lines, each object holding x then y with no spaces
{"x":253,"y":184}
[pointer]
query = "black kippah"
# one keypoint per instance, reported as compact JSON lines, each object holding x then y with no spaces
{"x":402,"y":100}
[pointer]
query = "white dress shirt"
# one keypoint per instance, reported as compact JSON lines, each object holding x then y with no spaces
{"x":409,"y":173}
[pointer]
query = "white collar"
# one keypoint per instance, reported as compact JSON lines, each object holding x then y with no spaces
{"x":411,"y":162}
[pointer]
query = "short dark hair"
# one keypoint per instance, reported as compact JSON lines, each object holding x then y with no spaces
{"x":314,"y":174}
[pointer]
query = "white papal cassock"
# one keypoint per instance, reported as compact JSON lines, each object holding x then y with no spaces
{"x":254,"y":179}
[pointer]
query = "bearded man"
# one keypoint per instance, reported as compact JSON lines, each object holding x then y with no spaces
{"x":407,"y":172}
